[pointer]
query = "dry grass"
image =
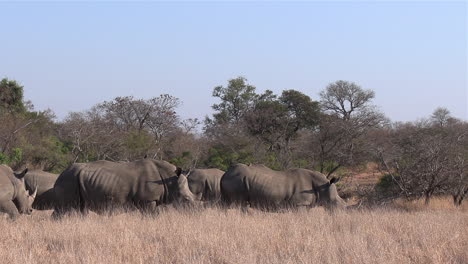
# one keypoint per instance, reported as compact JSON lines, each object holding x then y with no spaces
{"x":220,"y":236}
{"x":436,"y":203}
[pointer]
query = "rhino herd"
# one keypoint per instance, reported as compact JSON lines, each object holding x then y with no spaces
{"x":144,"y":185}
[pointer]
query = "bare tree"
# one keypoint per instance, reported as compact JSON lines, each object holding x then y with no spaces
{"x":441,"y":116}
{"x":348,"y":115}
{"x":93,"y":136}
{"x":343,"y":98}
{"x":122,"y":129}
{"x":426,"y":159}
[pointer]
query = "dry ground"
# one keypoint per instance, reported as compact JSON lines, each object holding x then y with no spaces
{"x":425,"y":235}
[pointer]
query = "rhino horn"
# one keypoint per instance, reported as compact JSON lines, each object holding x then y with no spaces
{"x":34,"y":193}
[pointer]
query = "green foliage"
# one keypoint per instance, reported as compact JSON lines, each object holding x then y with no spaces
{"x":271,"y":161}
{"x":236,"y":99}
{"x":304,"y":111}
{"x":301,"y":163}
{"x":15,"y":157}
{"x":138,"y":143}
{"x":223,"y":159}
{"x":4,"y":158}
{"x":11,"y":97}
{"x":183,"y":161}
{"x":277,"y":121}
{"x":218,"y":159}
{"x":49,"y":154}
{"x":386,"y":185}
{"x":267,"y":120}
{"x":327,"y":166}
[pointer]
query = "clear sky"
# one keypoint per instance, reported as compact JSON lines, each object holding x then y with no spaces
{"x":70,"y":56}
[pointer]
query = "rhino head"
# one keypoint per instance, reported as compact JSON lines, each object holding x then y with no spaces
{"x":183,"y":191}
{"x":328,"y":195}
{"x":23,"y":199}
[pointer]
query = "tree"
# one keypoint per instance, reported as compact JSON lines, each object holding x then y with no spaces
{"x":92,"y":136}
{"x":27,"y":136}
{"x":342,"y":98}
{"x":348,"y":115}
{"x":276,"y":123}
{"x":425,"y":159}
{"x":236,"y":99}
{"x":136,"y":117}
{"x":441,"y":116}
{"x":302,"y":111}
{"x":123,"y":129}
{"x":226,"y":129}
{"x":11,"y":97}
{"x":459,"y":180}
{"x":251,"y":127}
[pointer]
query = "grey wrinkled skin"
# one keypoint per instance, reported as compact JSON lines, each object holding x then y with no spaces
{"x":14,"y":198}
{"x":205,"y":184}
{"x":44,"y":181}
{"x":103,"y":186}
{"x":262,"y":187}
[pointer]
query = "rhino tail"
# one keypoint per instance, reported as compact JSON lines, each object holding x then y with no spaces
{"x":208,"y":191}
{"x":247,"y":189}
{"x":81,"y":201}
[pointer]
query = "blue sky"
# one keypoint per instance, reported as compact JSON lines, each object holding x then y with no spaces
{"x":70,"y":56}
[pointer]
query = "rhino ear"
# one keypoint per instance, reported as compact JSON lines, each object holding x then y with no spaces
{"x":334,"y":180}
{"x":21,"y":174}
{"x":178,"y":171}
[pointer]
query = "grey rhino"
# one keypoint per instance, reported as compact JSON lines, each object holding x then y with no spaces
{"x":263,"y":187}
{"x":14,"y":198}
{"x":205,"y":184}
{"x":101,"y":186}
{"x":44,"y":181}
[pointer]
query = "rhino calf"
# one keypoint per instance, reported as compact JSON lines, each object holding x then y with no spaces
{"x":44,"y":182}
{"x":14,"y":198}
{"x":263,"y":187}
{"x":205,"y":184}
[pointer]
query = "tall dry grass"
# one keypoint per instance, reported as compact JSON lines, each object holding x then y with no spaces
{"x":230,"y":236}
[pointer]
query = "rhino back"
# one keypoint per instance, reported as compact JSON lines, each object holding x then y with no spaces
{"x":119,"y":182}
{"x":44,"y":181}
{"x":205,"y":183}
{"x":273,"y":186}
{"x":100,"y":184}
{"x":260,"y":184}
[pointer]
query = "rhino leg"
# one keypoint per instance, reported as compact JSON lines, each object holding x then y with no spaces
{"x":147,"y":208}
{"x":84,"y":209}
{"x":60,"y":212}
{"x":9,"y":208}
{"x":245,"y":207}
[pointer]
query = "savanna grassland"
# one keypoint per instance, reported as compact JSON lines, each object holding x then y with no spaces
{"x":407,"y":233}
